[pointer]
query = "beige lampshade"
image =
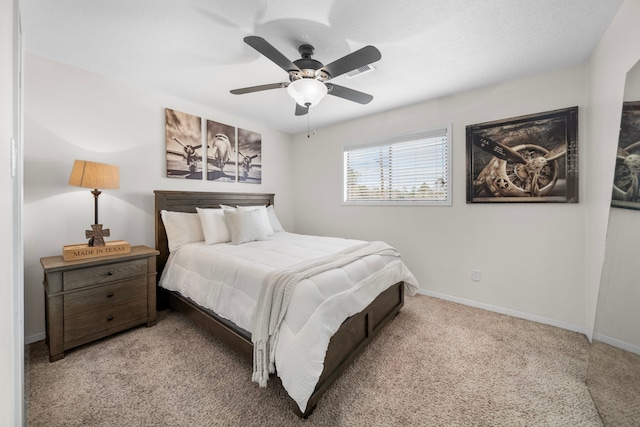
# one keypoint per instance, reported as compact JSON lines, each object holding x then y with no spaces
{"x":94,"y":175}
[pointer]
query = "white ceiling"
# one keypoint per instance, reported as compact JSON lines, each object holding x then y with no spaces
{"x":194,"y":49}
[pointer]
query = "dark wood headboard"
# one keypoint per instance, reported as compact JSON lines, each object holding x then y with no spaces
{"x":187,"y":201}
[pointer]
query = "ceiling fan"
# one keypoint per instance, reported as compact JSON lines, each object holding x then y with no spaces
{"x":308,"y":77}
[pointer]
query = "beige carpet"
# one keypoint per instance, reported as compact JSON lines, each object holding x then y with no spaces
{"x":437,"y":364}
{"x":614,"y":383}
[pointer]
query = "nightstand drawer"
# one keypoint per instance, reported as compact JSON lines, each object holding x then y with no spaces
{"x":105,"y":321}
{"x":83,"y":277}
{"x":104,"y":296}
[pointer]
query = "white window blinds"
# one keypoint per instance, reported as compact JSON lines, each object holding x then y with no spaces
{"x":407,"y":170}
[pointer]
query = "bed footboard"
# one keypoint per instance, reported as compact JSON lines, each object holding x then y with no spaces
{"x":345,"y":346}
{"x":353,"y":337}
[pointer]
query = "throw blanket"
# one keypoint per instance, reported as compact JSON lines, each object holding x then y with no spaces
{"x":275,"y":295}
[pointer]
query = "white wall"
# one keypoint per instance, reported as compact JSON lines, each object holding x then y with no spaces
{"x":618,"y":315}
{"x":531,"y":255}
{"x":11,"y":350}
{"x":617,"y":52}
{"x":74,"y":114}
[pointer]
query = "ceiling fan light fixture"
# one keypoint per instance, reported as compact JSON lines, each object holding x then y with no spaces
{"x":307,"y":92}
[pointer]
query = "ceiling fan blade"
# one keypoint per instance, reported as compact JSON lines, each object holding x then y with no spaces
{"x":499,"y":150}
{"x":265,"y":48}
{"x":359,"y":58}
{"x":350,"y":94}
{"x":259,"y":88}
{"x":300,"y":110}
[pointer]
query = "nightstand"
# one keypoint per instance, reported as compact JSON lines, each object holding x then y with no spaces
{"x":93,"y":298}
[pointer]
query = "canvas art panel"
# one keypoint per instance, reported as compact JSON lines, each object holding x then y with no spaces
{"x":626,"y":192}
{"x":532,"y":158}
{"x":222,"y":163}
{"x":249,"y":157}
{"x":183,"y":135}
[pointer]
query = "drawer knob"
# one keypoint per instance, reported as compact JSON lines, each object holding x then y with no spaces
{"x":110,"y":318}
{"x":110,"y":294}
{"x":109,"y":273}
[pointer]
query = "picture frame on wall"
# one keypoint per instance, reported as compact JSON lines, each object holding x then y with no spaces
{"x":183,"y":142}
{"x":222,"y":163}
{"x":249,"y":157}
{"x":532,"y":158}
{"x":626,"y":188}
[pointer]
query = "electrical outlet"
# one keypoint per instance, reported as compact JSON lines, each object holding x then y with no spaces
{"x":475,"y":275}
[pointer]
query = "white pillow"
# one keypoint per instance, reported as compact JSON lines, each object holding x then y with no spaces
{"x":264,"y":217}
{"x":181,"y":228}
{"x":245,"y":226}
{"x":273,"y":219}
{"x":231,"y":208}
{"x":214,"y":226}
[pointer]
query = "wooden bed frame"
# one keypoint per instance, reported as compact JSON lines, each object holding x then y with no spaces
{"x":347,"y":343}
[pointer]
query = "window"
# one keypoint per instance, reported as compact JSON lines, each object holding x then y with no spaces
{"x":412,"y":169}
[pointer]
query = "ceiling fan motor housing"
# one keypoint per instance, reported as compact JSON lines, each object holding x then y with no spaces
{"x":309,"y":68}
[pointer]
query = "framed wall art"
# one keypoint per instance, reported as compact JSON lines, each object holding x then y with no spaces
{"x":183,"y":139}
{"x":222,"y":164}
{"x":626,"y":191}
{"x":225,"y":154}
{"x":531,"y":158}
{"x":249,"y":157}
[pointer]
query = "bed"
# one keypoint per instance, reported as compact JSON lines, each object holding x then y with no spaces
{"x":344,"y":345}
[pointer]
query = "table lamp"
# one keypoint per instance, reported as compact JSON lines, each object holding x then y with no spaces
{"x":97,"y":176}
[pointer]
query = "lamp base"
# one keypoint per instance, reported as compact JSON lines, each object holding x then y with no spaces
{"x":83,"y":251}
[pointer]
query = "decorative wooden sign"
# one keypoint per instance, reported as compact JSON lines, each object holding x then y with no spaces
{"x":82,"y":251}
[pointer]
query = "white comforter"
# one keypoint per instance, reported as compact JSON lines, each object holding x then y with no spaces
{"x":227,"y":279}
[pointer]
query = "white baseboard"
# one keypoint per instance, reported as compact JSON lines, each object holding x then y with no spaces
{"x":617,"y":343}
{"x":513,"y":313}
{"x":34,"y":338}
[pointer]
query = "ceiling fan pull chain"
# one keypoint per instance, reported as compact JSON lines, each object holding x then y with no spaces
{"x":309,"y":124}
